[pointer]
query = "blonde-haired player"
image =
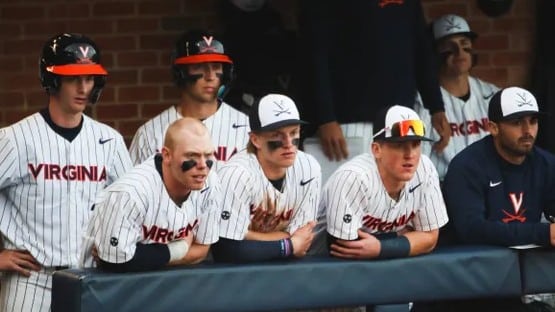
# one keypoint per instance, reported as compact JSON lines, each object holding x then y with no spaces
{"x":387,"y":203}
{"x":270,"y":191}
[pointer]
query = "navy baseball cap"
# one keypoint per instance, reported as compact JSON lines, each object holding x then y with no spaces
{"x":512,"y":103}
{"x":273,"y":111}
{"x":399,"y":124}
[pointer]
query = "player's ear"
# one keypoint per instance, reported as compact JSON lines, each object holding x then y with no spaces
{"x":376,"y":149}
{"x":255,"y":140}
{"x":165,"y":153}
{"x":493,"y":128}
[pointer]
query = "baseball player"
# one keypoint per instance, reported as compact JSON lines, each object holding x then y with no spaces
{"x":465,"y":97}
{"x":386,"y":204}
{"x":497,"y":189}
{"x":200,"y":69}
{"x":271,"y":191}
{"x":167,"y":207}
{"x":54,"y":162}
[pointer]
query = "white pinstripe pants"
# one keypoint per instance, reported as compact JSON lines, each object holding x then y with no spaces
{"x":20,"y":293}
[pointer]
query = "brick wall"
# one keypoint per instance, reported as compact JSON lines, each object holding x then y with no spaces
{"x":136,"y":38}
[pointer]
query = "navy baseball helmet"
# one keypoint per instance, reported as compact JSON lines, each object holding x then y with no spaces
{"x":195,"y":47}
{"x":71,"y":55}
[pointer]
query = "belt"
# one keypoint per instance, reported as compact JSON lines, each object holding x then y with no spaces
{"x":56,"y":268}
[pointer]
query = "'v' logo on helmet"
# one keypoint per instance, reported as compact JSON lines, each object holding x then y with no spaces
{"x":208,"y":40}
{"x":84,"y":51}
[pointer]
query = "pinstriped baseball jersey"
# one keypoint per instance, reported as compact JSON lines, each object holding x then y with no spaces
{"x":355,"y":198}
{"x":245,"y":189}
{"x":228,"y":127}
{"x":48,"y":184}
{"x":138,"y":209}
{"x":468,"y":121}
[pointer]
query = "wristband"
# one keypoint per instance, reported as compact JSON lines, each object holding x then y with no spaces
{"x":286,"y":247}
{"x":178,"y":249}
{"x":394,"y":248}
{"x":387,"y":235}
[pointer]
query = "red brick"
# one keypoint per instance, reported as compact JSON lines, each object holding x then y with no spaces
{"x":483,"y":59}
{"x":138,"y":25}
{"x":140,"y":58}
{"x":115,"y":8}
{"x":180,"y":23}
{"x":513,"y":25}
{"x":123,"y":77}
{"x":91,"y":26}
{"x":156,"y":75}
{"x":10,"y":64}
{"x":23,"y":46}
{"x":436,"y":10}
{"x":496,"y":76}
{"x":72,"y":10}
{"x":10,"y":30}
{"x":116,"y":43}
{"x":523,"y":8}
{"x":139,"y":94}
{"x":150,"y":110}
{"x":492,"y":42}
{"x":45,"y":29}
{"x":517,"y":76}
{"x":19,"y":81}
{"x":199,"y":6}
{"x":116,"y":111}
{"x":128,"y":128}
{"x":159,"y":7}
{"x":171,"y":93}
{"x":19,"y":13}
{"x":36,"y":99}
{"x":12,"y":99}
{"x":156,"y":42}
{"x":108,"y":94}
{"x":501,"y":59}
{"x":13,"y":116}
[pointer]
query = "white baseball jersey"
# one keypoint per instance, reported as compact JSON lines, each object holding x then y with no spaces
{"x":355,"y":198}
{"x":245,"y":189}
{"x":228,"y":128}
{"x":48,"y":185}
{"x":468,"y":121}
{"x":138,"y":209}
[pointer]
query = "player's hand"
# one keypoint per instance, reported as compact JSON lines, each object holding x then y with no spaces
{"x":302,"y":239}
{"x":332,"y":141}
{"x":94,"y":254}
{"x":366,"y":247}
{"x":440,"y":123}
{"x":552,"y":233}
{"x":19,"y":261}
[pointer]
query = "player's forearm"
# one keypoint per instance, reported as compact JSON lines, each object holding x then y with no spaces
{"x":146,"y":257}
{"x":247,"y":251}
{"x":270,"y":236}
{"x":422,"y":242}
{"x":197,"y":253}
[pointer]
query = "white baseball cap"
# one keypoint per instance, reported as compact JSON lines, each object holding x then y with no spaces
{"x":451,"y":24}
{"x":273,"y":111}
{"x":511,"y":103}
{"x":399,"y":124}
